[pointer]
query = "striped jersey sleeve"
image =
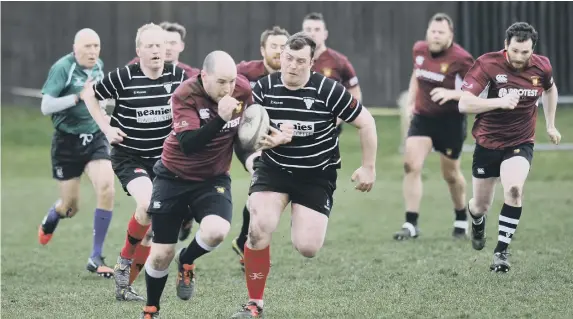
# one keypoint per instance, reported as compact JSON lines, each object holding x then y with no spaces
{"x":110,"y":86}
{"x":338,"y":100}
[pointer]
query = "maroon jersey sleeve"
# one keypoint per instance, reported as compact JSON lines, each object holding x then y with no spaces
{"x":416,"y":51}
{"x":465,"y":64}
{"x":547,"y":80}
{"x":476,"y":79}
{"x":185,"y":116}
{"x":348,"y":74}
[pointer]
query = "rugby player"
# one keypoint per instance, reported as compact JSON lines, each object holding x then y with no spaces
{"x":194,"y":173}
{"x":329,"y":62}
{"x":272,"y":43}
{"x":304,"y":171}
{"x":140,"y":123}
{"x":435,"y":89}
{"x":78,"y":145}
{"x":503,"y":88}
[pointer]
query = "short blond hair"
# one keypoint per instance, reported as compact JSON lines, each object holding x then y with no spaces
{"x":146,"y":27}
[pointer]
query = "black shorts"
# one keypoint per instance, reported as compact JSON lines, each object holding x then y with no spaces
{"x":448,"y":132}
{"x":128,"y":167}
{"x":72,"y":152}
{"x":314,"y":192}
{"x":174,"y":199}
{"x":487,"y":162}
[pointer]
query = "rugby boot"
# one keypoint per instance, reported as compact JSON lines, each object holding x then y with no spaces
{"x":460,"y":229}
{"x":97,"y":266}
{"x":150,"y":312}
{"x":408,"y":231}
{"x":239,"y":252}
{"x":121,"y":272}
{"x":47,"y":227}
{"x":478,"y":235}
{"x":500,"y":262}
{"x":185,"y":283}
{"x":250,"y":310}
{"x":127,"y":294}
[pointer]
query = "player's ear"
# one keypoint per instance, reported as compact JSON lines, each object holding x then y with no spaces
{"x":325,"y":34}
{"x":263,"y":52}
{"x":182,"y":45}
{"x":137,"y":51}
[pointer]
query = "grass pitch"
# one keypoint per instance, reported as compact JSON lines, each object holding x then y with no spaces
{"x":360,"y":273}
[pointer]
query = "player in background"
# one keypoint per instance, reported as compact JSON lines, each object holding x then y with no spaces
{"x":304,"y":171}
{"x":139,"y":124}
{"x":435,"y":89}
{"x":329,"y":62}
{"x":194,"y":173}
{"x":78,"y":145}
{"x":503,"y":88}
{"x":175,"y":45}
{"x":272,"y":43}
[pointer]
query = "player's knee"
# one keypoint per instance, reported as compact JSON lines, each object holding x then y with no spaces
{"x":453,"y":176}
{"x":68,"y":207}
{"x":161,"y":256}
{"x":215,"y":233}
{"x":307,"y":249}
{"x":141,"y":207}
{"x":106,"y":191}
{"x":515,"y":192}
{"x":479,"y":207}
{"x":410,"y":167}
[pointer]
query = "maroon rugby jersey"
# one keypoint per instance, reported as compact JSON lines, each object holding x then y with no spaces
{"x":189,"y":70}
{"x":334,"y":65}
{"x":492,"y":76}
{"x":252,"y":70}
{"x":446,"y":70}
{"x":193,"y":108}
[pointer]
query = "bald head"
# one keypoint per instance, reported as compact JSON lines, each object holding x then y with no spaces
{"x":87,"y":47}
{"x":219,"y":75}
{"x":217,"y":60}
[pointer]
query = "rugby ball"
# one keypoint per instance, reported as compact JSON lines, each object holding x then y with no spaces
{"x":254,"y":124}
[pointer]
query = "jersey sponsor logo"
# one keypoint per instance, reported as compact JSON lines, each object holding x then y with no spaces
{"x":153,"y":114}
{"x":467,"y":85}
{"x":181,"y":124}
{"x":220,"y":189}
{"x":521,"y":92}
{"x":308,"y":101}
{"x":419,"y":60}
{"x":231,"y":124}
{"x":239,"y":107}
{"x":353,"y":81}
{"x":253,"y":84}
{"x":420,"y":73}
{"x":204,"y":114}
{"x":327,"y":72}
{"x":301,"y":128}
{"x":167,"y":87}
{"x":501,"y":78}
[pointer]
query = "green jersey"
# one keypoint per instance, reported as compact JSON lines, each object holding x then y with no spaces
{"x":68,"y":77}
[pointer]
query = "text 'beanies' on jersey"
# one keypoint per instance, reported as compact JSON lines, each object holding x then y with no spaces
{"x":493,"y":77}
{"x":142,"y":108}
{"x":312,"y":110}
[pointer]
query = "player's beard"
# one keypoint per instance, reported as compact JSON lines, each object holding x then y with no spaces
{"x":519,"y":65}
{"x":274,"y":62}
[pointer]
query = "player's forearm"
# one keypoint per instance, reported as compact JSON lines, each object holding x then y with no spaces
{"x":52,"y":104}
{"x":412,"y":89}
{"x":368,"y":143}
{"x":470,"y":103}
{"x":97,"y":113}
{"x":194,"y":141}
{"x":550,"y":106}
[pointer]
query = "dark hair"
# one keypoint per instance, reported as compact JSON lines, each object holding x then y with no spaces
{"x":276,"y":30}
{"x":443,"y":17}
{"x":300,"y":40}
{"x":316,"y":16}
{"x":521,"y":31}
{"x":174,"y":27}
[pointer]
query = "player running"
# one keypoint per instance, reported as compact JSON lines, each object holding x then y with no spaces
{"x":304,"y":171}
{"x":78,"y":145}
{"x":509,"y":84}
{"x":435,"y":89}
{"x":272,"y":43}
{"x":194,"y":173}
{"x":329,"y":62}
{"x":140,"y":123}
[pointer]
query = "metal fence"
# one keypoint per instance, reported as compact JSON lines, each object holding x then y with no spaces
{"x":376,"y":36}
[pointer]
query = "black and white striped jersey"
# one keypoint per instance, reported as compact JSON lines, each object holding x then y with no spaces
{"x":312,"y":110}
{"x":142,"y":107}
